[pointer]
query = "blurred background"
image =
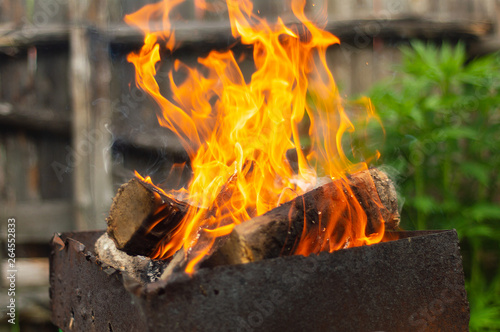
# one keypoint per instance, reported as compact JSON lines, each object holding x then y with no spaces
{"x":73,"y":126}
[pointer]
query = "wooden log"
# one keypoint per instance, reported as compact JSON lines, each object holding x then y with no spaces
{"x":277,"y":232}
{"x":141,"y":217}
{"x":219,"y":207}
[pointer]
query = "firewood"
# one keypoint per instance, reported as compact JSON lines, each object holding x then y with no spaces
{"x":277,"y":232}
{"x":219,"y":206}
{"x":141,"y":217}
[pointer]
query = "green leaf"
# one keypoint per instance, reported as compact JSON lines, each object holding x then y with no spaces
{"x":425,"y":204}
{"x":432,"y":102}
{"x":451,"y":60}
{"x":484,"y":302}
{"x":474,"y":230}
{"x":484,"y":211}
{"x":417,"y":116}
{"x":454,"y":133}
{"x":484,"y":317}
{"x":476,"y":170}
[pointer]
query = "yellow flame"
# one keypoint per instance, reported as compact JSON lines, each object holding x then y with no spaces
{"x":240,"y":131}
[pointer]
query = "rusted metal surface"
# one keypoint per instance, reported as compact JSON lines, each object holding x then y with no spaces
{"x":412,"y":284}
{"x":86,"y":295}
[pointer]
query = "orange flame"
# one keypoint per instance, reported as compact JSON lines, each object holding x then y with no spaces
{"x":237,"y":133}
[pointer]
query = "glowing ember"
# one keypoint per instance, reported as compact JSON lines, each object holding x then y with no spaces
{"x":237,"y":133}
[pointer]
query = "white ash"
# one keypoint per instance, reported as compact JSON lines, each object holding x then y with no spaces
{"x":139,"y":268}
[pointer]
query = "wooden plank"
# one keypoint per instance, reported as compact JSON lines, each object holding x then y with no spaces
{"x":411,"y":27}
{"x":339,"y":61}
{"x":55,"y":167}
{"x":362,"y":8}
{"x":91,"y":140}
{"x":99,"y":134}
{"x":218,"y":32}
{"x":80,"y":92}
{"x":339,"y":10}
{"x":35,"y":119}
{"x":26,"y":177}
{"x":488,"y":8}
{"x":33,"y":95}
{"x":41,"y":13}
{"x":134,"y":114}
{"x":12,"y":11}
{"x":50,"y":86}
{"x":31,"y":272}
{"x":416,"y":8}
{"x":404,"y":26}
{"x":27,"y":168}
{"x":344,"y":16}
{"x":22,"y":174}
{"x":37,"y":221}
{"x":385,"y":58}
{"x":28,"y":35}
{"x":485,"y":46}
{"x":119,"y":8}
{"x":5,"y":12}
{"x":491,"y":43}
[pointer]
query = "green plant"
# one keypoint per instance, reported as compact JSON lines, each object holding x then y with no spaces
{"x":442,"y":121}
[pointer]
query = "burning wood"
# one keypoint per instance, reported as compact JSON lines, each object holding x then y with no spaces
{"x":279,"y":231}
{"x":141,"y":216}
{"x":229,"y":124}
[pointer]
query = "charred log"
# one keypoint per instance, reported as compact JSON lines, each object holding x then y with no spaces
{"x":141,"y":216}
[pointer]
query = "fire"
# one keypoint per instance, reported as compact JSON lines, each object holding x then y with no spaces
{"x":237,"y":132}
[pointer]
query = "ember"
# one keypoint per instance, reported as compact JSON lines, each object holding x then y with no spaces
{"x":237,"y":134}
